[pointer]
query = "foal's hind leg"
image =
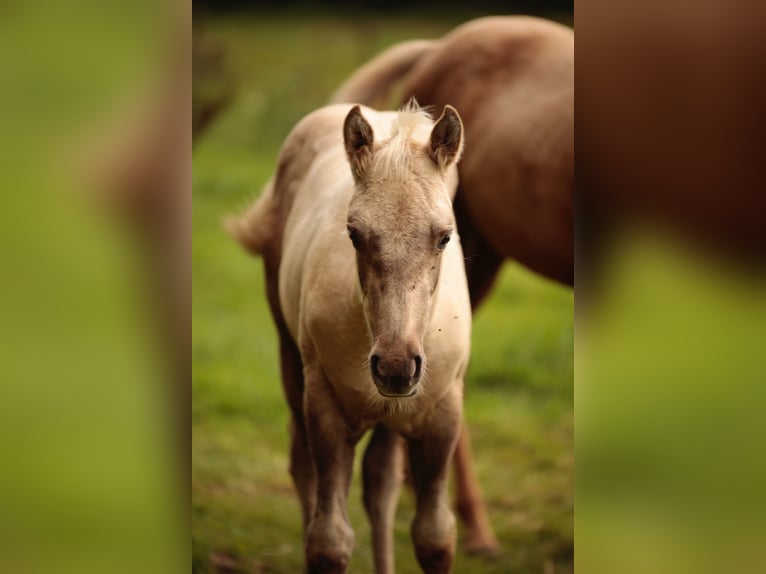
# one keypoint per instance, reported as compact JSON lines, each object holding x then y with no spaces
{"x":301,"y":465}
{"x":383,"y":470}
{"x":291,"y":367}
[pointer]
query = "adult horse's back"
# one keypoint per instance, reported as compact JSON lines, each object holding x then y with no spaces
{"x":512,"y":80}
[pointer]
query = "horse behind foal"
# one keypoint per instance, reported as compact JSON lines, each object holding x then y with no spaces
{"x":367,"y":287}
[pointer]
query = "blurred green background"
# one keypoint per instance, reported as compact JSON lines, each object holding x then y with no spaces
{"x":266,"y":71}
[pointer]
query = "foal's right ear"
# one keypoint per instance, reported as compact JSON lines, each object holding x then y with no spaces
{"x":358,"y":139}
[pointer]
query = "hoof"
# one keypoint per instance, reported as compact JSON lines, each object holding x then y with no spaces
{"x":488,"y":548}
{"x":435,"y":560}
{"x":326,"y":564}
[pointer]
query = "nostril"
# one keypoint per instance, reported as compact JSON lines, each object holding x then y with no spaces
{"x":418,"y":365}
{"x":374,"y":361}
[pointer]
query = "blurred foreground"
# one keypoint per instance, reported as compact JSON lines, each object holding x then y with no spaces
{"x":92,"y":468}
{"x":671,"y":241}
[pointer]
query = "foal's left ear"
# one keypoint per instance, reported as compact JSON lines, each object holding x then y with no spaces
{"x":358,"y":139}
{"x":447,"y":138}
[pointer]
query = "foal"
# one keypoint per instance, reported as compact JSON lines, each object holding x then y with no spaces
{"x":367,"y":287}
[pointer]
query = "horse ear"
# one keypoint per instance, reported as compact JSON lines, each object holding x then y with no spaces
{"x":447,"y":138}
{"x":358,"y":139}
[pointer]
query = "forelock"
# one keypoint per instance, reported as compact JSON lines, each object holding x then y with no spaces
{"x":409,"y":131}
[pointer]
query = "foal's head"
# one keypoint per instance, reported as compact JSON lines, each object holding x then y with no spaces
{"x":400,"y":222}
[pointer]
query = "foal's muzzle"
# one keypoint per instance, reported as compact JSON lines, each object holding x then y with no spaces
{"x":396,"y":375}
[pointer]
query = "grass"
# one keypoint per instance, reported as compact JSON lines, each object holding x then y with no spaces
{"x":519,"y":386}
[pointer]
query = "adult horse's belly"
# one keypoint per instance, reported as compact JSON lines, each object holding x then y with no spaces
{"x":519,"y":195}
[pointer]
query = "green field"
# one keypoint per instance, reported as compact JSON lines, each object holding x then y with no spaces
{"x":519,"y":386}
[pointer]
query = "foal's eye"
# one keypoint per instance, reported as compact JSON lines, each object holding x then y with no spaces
{"x":443,"y":241}
{"x":354,"y":237}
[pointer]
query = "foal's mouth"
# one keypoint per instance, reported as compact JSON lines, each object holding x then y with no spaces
{"x":412,"y":393}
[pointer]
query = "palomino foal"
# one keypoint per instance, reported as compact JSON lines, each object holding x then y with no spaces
{"x":366,"y":283}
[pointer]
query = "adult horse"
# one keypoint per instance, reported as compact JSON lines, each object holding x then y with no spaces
{"x":366,"y":284}
{"x":512,"y":78}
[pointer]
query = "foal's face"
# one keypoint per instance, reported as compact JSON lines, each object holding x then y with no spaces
{"x":400,"y":221}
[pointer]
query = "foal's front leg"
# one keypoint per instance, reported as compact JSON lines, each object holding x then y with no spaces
{"x":433,"y":529}
{"x":329,"y":539}
{"x":383,"y":474}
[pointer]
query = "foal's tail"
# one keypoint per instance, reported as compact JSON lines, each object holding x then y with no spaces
{"x":372,"y":82}
{"x":255,"y":228}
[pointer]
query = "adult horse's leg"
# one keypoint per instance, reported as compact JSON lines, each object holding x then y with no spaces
{"x":329,"y":539}
{"x":382,"y":472}
{"x":469,"y":500}
{"x":482,"y":265}
{"x":433,"y":529}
